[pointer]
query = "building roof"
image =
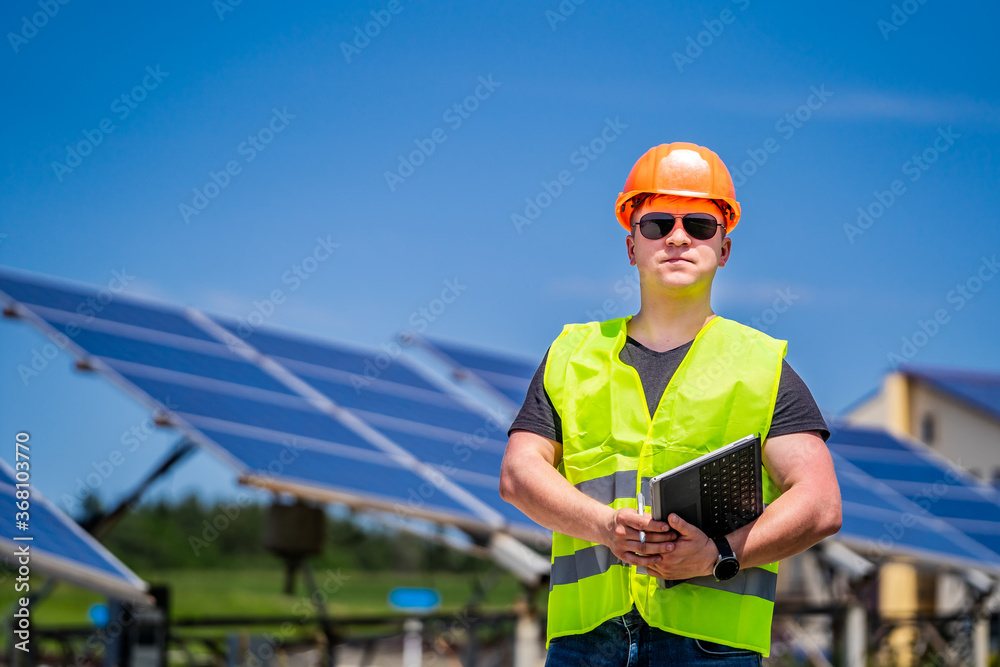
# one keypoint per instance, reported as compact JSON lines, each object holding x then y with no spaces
{"x":977,"y":388}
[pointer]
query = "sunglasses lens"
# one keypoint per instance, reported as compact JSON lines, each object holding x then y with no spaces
{"x":700,"y":226}
{"x":657,"y":228}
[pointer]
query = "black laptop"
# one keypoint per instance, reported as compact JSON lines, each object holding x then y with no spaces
{"x":718,"y":492}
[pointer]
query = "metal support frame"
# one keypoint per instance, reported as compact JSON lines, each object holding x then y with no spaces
{"x":324,"y":619}
{"x":99,"y":525}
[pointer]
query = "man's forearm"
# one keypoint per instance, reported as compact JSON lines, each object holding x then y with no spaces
{"x":795,"y":521}
{"x":545,"y":496}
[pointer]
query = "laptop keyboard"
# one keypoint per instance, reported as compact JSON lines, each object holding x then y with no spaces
{"x":728,"y":492}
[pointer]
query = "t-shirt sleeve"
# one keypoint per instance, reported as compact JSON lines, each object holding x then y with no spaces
{"x":538,"y":415}
{"x":795,"y":410}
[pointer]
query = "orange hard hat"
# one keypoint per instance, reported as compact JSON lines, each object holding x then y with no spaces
{"x":683,"y":170}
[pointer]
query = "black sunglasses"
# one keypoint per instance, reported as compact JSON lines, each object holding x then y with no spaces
{"x":701,"y":226}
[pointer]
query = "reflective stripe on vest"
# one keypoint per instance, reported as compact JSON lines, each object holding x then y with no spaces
{"x":724,"y":389}
{"x":598,"y":558}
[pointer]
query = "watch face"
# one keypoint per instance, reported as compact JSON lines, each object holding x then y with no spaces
{"x":726,"y":569}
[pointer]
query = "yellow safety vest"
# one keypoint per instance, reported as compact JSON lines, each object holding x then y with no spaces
{"x":724,"y":389}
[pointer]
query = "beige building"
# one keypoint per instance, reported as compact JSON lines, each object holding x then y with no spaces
{"x":956,"y":413}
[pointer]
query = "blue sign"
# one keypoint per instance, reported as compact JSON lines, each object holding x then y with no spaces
{"x":415,"y":599}
{"x":98,"y":613}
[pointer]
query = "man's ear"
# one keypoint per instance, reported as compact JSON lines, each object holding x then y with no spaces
{"x":727,"y":247}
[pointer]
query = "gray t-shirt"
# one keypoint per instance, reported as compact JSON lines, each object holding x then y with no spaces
{"x":794,"y":409}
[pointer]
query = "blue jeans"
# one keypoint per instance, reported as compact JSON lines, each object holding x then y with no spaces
{"x":628,"y":641}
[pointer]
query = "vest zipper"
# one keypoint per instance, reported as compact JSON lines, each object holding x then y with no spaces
{"x":650,"y":419}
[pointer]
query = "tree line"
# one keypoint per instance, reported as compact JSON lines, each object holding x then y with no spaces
{"x":191,"y":533}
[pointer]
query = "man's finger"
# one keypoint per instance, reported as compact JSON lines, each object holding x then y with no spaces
{"x":644,"y":522}
{"x":649,"y":547}
{"x":680,"y":525}
{"x":657,"y":536}
{"x":635,"y":559}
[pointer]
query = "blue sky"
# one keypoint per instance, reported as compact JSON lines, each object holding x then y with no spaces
{"x":209,"y":86}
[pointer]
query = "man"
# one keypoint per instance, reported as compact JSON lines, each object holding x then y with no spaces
{"x":616,"y":402}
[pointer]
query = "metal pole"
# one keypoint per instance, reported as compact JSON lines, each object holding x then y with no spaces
{"x":413,"y":642}
{"x":324,"y":620}
{"x":981,"y":641}
{"x":855,"y":631}
{"x":526,"y":636}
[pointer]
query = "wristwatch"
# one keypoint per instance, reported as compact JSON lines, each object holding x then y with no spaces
{"x":727,"y":566}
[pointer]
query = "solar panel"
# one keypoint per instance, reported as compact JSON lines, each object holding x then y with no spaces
{"x":293,"y":415}
{"x":437,"y":409}
{"x":60,"y":548}
{"x":220,"y":364}
{"x":85,"y":303}
{"x":412,"y":412}
{"x":247,"y":408}
{"x":369,"y":475}
{"x":506,"y":374}
{"x":934,"y":487}
{"x":309,"y":357}
{"x":879,"y":523}
{"x":7,"y":476}
{"x":478,"y":455}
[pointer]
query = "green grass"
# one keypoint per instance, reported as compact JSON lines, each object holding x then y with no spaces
{"x":205,"y":594}
{"x":216,"y":593}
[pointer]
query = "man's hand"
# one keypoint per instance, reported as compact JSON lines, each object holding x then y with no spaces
{"x":690,"y":554}
{"x":622,"y":537}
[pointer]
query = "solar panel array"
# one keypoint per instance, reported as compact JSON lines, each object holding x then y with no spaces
{"x":323,"y":418}
{"x":288,"y":411}
{"x":947,"y":506}
{"x":59,"y":547}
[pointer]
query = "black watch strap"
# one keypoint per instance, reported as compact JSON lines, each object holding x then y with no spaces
{"x":727,"y":566}
{"x":722,"y":544}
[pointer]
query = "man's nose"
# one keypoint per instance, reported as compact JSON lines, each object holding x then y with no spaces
{"x":678,"y":235}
